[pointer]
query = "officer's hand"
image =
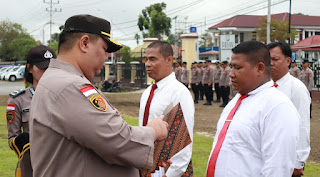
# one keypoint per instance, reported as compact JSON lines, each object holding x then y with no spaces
{"x":298,"y":172}
{"x":159,"y":128}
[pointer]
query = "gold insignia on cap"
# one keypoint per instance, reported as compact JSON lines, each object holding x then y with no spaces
{"x":104,"y":33}
{"x":10,"y":116}
{"x":98,"y":102}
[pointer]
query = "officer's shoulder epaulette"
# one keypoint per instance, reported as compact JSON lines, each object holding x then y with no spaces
{"x":17,"y":93}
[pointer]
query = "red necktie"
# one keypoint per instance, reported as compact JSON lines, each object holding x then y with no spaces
{"x":275,"y":85}
{"x":147,"y":108}
{"x":222,"y":135}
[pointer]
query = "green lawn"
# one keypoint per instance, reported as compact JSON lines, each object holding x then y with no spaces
{"x":201,"y":150}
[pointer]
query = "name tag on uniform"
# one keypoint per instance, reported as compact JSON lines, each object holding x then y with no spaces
{"x":26,"y":110}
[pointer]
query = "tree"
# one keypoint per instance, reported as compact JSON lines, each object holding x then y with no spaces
{"x":19,"y":47}
{"x":205,"y":41}
{"x":278,"y":31}
{"x":153,"y":22}
{"x":55,"y":36}
{"x":8,"y":32}
{"x":124,"y":54}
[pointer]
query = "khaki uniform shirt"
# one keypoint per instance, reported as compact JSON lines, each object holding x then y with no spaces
{"x":295,"y":72}
{"x":178,"y":73}
{"x":217,"y":74}
{"x":185,"y":75}
{"x":225,"y":79}
{"x":306,"y":77}
{"x":75,"y":131}
{"x":207,"y":75}
{"x":19,"y":104}
{"x":196,"y":76}
{"x":201,"y":73}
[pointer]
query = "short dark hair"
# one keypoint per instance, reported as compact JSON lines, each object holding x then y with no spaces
{"x":164,"y":48}
{"x":27,"y":75}
{"x":256,"y":52}
{"x":67,"y":39}
{"x":285,"y":48}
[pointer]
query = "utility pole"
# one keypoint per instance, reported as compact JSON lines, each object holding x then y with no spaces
{"x":175,"y":37}
{"x":268,"y":21}
{"x":289,"y":23}
{"x":51,"y":11}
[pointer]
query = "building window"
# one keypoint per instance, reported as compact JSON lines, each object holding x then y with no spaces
{"x":306,"y":34}
{"x":236,"y":39}
{"x":306,"y":55}
{"x":241,"y":37}
{"x":317,"y":33}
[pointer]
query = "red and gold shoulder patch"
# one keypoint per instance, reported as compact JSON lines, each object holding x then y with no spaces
{"x":11,"y":115}
{"x":98,"y":102}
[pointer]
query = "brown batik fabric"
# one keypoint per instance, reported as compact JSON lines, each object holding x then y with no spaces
{"x":178,"y":138}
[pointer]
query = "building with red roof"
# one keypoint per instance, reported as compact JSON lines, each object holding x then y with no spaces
{"x":243,"y":26}
{"x":308,"y":48}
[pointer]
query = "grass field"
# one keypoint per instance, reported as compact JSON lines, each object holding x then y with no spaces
{"x":201,"y":150}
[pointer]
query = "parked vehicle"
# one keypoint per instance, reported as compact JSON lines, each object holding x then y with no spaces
{"x":8,"y":70}
{"x":3,"y":70}
{"x":15,"y":74}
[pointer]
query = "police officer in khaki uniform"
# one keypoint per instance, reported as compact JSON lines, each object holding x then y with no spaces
{"x":185,"y":74}
{"x":207,"y":81}
{"x":306,"y":76}
{"x":294,"y":70}
{"x":201,"y":88}
{"x":195,"y":81}
{"x":216,"y":80}
{"x":74,"y":129}
{"x":178,"y":71}
{"x":225,"y":83}
{"x":18,"y":108}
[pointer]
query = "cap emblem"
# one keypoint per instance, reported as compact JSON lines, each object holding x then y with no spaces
{"x":48,"y":54}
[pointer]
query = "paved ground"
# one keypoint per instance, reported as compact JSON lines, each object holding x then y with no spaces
{"x":206,"y":117}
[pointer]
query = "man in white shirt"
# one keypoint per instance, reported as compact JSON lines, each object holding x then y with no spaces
{"x":168,"y":92}
{"x":298,"y":93}
{"x":258,"y":135}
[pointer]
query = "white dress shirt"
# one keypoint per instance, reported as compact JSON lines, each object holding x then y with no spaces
{"x":300,"y":97}
{"x":262,"y":137}
{"x":171,"y":91}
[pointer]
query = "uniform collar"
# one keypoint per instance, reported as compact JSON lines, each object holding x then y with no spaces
{"x":31,"y":89}
{"x":283,"y":79}
{"x":165,"y":80}
{"x":65,"y":66}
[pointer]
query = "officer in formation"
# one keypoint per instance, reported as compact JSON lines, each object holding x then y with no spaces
{"x":216,"y":80}
{"x":74,"y":129}
{"x":294,"y":70}
{"x":18,"y":109}
{"x":178,"y":71}
{"x":195,"y":81}
{"x":201,"y":88}
{"x":224,"y":83}
{"x":207,"y":81}
{"x":185,"y":74}
{"x":306,"y":76}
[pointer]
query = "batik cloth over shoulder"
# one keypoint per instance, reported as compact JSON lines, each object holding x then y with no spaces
{"x":178,"y":138}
